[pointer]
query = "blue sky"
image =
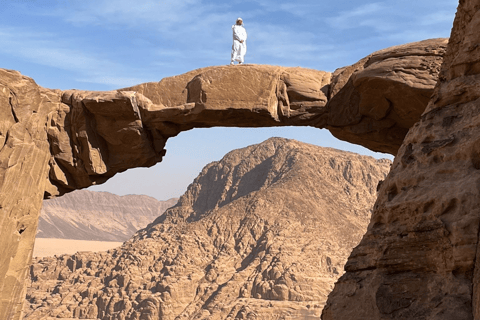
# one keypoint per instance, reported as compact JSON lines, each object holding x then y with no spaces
{"x":110,"y":44}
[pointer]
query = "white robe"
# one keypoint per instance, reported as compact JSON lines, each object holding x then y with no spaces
{"x":238,"y":48}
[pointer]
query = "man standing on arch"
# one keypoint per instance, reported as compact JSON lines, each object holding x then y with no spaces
{"x":239,"y":47}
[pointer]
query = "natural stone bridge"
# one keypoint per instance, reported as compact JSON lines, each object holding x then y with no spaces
{"x":53,"y":142}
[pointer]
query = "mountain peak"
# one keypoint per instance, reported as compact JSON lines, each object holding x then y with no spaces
{"x":265,"y":230}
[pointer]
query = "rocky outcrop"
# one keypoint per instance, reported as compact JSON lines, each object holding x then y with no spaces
{"x":54,"y":142}
{"x":382,"y":96}
{"x":263,"y":233}
{"x":24,"y":157}
{"x":372,"y":103}
{"x":419,"y":258}
{"x":100,"y":216}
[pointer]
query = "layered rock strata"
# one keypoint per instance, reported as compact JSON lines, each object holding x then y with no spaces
{"x":262,"y":234}
{"x":53,"y":142}
{"x":99,"y":216}
{"x":420,"y":257}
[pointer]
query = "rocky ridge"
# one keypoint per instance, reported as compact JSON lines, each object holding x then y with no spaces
{"x":101,"y":216}
{"x":261,"y":234}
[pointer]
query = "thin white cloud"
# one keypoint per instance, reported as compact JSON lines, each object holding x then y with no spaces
{"x":406,"y":36}
{"x":284,"y":43}
{"x":45,"y":49}
{"x":161,"y":38}
{"x":388,"y":21}
{"x":390,"y":15}
{"x":438,"y":17}
{"x":298,"y":9}
{"x":124,"y":12}
{"x":201,"y":31}
{"x":166,"y":52}
{"x":166,"y":23}
{"x":364,"y":15}
{"x":163,"y":16}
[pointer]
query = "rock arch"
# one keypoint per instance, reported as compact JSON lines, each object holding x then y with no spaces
{"x":53,"y":142}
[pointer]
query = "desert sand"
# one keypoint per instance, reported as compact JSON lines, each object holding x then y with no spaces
{"x":45,"y":247}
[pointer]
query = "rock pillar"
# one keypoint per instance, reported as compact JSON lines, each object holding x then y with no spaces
{"x":24,"y":157}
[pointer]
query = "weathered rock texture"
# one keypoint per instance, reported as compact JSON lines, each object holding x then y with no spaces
{"x":373,"y":102}
{"x":420,"y":257}
{"x":54,"y":142}
{"x":380,"y":97}
{"x":262,"y":234}
{"x":102,"y":216}
{"x":24,"y":157}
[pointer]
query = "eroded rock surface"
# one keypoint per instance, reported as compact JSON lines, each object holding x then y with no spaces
{"x":383,"y":95}
{"x":372,"y":103}
{"x":24,"y":157}
{"x":262,"y":234}
{"x":54,"y":142}
{"x":420,"y":257}
{"x":97,"y":134}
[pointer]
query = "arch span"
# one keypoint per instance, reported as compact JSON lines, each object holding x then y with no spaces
{"x":53,"y":142}
{"x":372,"y":103}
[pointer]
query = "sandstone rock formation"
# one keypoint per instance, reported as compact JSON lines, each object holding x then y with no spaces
{"x":54,"y":142}
{"x":261,"y":234}
{"x":372,"y":103}
{"x":380,"y":97}
{"x":420,"y":256}
{"x":102,"y":216}
{"x":24,"y":158}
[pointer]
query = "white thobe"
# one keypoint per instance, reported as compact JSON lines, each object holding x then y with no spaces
{"x":239,"y":48}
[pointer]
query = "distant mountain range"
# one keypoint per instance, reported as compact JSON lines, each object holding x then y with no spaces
{"x":262,"y":234}
{"x":101,"y":216}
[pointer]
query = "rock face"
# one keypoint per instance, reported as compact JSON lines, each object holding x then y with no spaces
{"x":261,"y":234}
{"x":382,"y":96}
{"x":101,"y":216}
{"x":24,"y":157}
{"x":420,"y":257}
{"x":54,"y":142}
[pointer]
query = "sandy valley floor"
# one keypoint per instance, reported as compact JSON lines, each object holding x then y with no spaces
{"x":45,"y":247}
